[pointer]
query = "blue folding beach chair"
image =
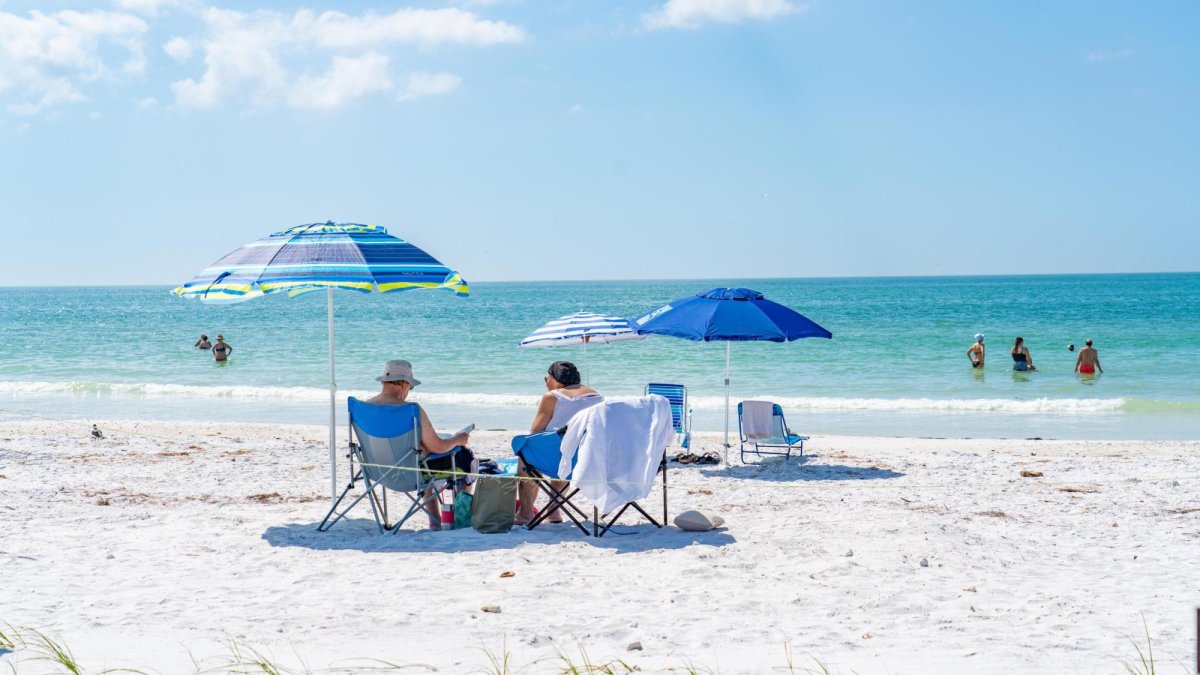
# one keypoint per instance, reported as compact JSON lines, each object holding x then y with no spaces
{"x":385,"y":444}
{"x":542,"y":456}
{"x":681,"y":414}
{"x":761,"y":424}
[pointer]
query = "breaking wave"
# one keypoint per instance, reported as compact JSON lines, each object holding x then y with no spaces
{"x":489,"y":400}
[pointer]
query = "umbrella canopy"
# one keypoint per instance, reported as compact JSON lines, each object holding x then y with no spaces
{"x":582,"y":328}
{"x":729,"y":315}
{"x":322,"y":256}
{"x":305,"y":258}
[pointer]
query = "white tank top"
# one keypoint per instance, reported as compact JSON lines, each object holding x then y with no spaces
{"x":566,"y":407}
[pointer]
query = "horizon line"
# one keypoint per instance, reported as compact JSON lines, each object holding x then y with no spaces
{"x":682,"y":279}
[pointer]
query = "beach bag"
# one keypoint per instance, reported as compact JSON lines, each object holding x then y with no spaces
{"x":462,"y":510}
{"x":494,"y":505}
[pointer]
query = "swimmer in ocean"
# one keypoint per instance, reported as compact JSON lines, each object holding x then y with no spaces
{"x":203,"y":343}
{"x":975,"y":352}
{"x":1088,"y":361}
{"x":222,"y":349}
{"x":1022,"y":360}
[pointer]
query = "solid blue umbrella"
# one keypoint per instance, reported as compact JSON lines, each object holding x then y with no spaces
{"x":729,"y":315}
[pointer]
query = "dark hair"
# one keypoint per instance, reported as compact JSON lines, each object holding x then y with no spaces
{"x":1018,"y":342}
{"x":565,"y":372}
{"x":1088,"y":342}
{"x":203,"y":337}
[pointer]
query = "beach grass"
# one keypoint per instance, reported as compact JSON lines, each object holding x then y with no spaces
{"x":29,"y":645}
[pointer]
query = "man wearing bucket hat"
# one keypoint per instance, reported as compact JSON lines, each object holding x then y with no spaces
{"x":398,"y":382}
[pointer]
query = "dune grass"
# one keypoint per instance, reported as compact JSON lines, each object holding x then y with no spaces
{"x":30,"y":646}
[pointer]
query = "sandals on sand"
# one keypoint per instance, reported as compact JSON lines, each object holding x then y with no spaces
{"x":556,"y":518}
{"x":689,"y":458}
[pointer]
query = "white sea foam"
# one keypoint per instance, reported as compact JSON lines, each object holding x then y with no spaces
{"x":1038,"y":405}
{"x":488,"y":400}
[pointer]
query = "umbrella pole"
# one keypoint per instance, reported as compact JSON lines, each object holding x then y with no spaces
{"x":728,"y":345}
{"x":587,"y":377}
{"x":332,"y":401}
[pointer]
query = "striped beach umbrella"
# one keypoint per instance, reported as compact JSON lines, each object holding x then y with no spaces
{"x":582,"y":328}
{"x":322,"y":256}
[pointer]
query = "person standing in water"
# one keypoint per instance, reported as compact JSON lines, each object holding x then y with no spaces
{"x":203,"y":343}
{"x":976,"y":352}
{"x":1088,"y":361}
{"x":222,"y":349}
{"x":1020,"y":355}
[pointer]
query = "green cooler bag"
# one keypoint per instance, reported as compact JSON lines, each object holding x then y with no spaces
{"x":494,"y":505}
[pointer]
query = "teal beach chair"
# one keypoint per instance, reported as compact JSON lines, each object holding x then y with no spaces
{"x":761,"y":424}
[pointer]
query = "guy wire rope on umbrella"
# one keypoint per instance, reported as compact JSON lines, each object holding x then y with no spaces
{"x":582,"y":328}
{"x":322,"y":256}
{"x":729,"y":315}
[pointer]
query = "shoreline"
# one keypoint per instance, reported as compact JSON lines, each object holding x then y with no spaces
{"x":871,"y":554}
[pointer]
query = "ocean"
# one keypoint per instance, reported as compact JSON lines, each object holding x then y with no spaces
{"x":896,"y":365}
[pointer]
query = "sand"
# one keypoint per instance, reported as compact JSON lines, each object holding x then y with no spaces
{"x":160,"y":545}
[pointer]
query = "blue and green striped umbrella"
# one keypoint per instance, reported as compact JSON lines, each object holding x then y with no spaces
{"x":318,"y":256}
{"x":322,"y":256}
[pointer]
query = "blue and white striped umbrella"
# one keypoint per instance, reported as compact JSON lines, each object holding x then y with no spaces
{"x":322,"y":256}
{"x":582,"y":328}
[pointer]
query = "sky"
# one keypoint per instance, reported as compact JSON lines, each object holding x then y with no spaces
{"x":141,"y":140}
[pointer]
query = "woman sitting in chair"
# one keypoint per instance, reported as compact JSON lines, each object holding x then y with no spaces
{"x":565,"y":397}
{"x":398,"y":381}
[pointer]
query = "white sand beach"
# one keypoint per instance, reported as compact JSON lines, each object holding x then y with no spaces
{"x":159,"y":545}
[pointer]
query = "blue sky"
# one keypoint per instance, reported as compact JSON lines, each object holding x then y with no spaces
{"x":532,"y":139}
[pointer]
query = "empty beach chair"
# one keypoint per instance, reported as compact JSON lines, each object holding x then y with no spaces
{"x":385,"y":446}
{"x":761,"y":424}
{"x":611,"y":453}
{"x":681,"y":414}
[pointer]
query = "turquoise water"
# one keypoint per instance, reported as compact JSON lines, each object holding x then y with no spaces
{"x":896,"y":364}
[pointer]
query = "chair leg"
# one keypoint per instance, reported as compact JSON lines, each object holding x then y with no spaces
{"x":557,"y":499}
{"x":326,"y":523}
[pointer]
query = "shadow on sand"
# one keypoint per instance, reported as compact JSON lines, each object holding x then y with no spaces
{"x":361,"y":534}
{"x":800,"y":469}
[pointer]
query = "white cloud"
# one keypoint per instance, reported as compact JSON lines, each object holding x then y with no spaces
{"x":148,"y":102}
{"x":695,"y":13}
{"x":1100,"y":55}
{"x":147,"y":7}
{"x":427,"y":27}
{"x":46,"y":58}
{"x":246,"y":54}
{"x":421,"y":85}
{"x":178,"y":48}
{"x":346,"y":80}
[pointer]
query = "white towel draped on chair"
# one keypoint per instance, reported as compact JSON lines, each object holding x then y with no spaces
{"x":619,"y":444}
{"x":758,"y":421}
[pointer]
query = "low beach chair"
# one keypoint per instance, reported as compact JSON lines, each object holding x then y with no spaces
{"x":385,"y":444}
{"x":542,"y":454}
{"x":596,"y":454}
{"x":761,"y":424}
{"x":681,"y":414}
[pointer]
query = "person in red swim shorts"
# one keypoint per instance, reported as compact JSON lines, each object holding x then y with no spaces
{"x":1088,"y":361}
